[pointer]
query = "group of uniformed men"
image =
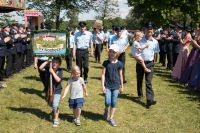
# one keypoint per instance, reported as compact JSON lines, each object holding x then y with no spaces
{"x":82,"y":40}
{"x":169,"y":44}
{"x":15,"y":49}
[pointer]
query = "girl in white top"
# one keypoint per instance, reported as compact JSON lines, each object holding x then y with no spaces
{"x":137,"y":48}
{"x":77,"y":87}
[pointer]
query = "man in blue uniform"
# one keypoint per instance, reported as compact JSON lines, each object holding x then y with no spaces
{"x":83,"y":41}
{"x":148,"y":55}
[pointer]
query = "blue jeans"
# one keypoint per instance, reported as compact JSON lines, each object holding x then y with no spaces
{"x":111,"y":98}
{"x":56,"y":101}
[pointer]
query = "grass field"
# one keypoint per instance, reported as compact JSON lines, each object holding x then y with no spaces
{"x":23,"y":109}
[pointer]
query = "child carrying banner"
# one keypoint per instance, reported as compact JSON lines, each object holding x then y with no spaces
{"x":56,"y":72}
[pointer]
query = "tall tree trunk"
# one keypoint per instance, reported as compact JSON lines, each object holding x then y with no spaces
{"x":58,"y":3}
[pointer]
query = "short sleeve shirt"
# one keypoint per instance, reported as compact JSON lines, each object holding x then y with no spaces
{"x":148,"y":53}
{"x":121,"y":42}
{"x":82,"y":40}
{"x":76,"y":88}
{"x":135,"y":47}
{"x":56,"y":86}
{"x":112,"y":78}
{"x":97,"y":41}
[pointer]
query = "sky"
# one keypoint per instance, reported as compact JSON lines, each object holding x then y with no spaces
{"x":123,"y":9}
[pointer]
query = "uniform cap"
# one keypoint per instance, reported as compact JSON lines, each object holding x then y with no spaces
{"x":118,"y":28}
{"x":150,"y":25}
{"x":82,"y":24}
{"x":171,"y":26}
{"x":179,"y":26}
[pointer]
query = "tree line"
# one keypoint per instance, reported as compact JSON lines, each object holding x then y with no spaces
{"x":162,"y":12}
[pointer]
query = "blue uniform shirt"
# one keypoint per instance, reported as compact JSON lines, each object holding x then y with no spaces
{"x":148,"y":53}
{"x":110,"y":40}
{"x":121,"y":42}
{"x":82,"y":40}
{"x":100,"y":35}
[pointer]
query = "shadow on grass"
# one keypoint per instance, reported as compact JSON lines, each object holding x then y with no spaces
{"x":91,"y":115}
{"x":132,"y":98}
{"x":32,"y":78}
{"x":37,"y":112}
{"x":96,"y":78}
{"x":65,"y":78}
{"x":162,"y":73}
{"x":97,"y":67}
{"x":193,"y":95}
{"x":32,"y":91}
{"x":68,"y":117}
{"x":92,"y":61}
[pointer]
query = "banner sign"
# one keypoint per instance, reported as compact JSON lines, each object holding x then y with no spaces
{"x":49,"y":44}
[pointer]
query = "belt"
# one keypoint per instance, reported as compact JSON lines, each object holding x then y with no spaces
{"x":147,"y":62}
{"x":81,"y":49}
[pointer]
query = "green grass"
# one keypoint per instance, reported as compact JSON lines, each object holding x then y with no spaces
{"x":23,"y":109}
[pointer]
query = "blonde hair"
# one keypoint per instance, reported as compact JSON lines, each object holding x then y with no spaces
{"x":137,"y":35}
{"x":75,"y":69}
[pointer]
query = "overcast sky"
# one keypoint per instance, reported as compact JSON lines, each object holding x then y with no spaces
{"x":123,"y":12}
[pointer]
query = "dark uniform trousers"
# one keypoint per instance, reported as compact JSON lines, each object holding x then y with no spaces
{"x":162,"y":46}
{"x":11,"y":61}
{"x":68,"y":59}
{"x":18,"y":63}
{"x":163,"y":58}
{"x":82,"y":58}
{"x":28,"y":55}
{"x":148,"y":79}
{"x":169,"y":56}
{"x":2,"y":61}
{"x":122,"y":58}
{"x":98,"y":52}
{"x":43,"y":76}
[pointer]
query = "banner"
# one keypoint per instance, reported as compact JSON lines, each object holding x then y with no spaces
{"x":49,"y":44}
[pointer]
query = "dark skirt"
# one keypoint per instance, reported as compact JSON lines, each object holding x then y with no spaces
{"x":195,"y":75}
{"x":189,"y":65}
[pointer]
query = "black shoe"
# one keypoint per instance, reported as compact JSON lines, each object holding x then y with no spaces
{"x":149,"y":103}
{"x":125,"y":82}
{"x":86,"y":81}
{"x":69,"y":70}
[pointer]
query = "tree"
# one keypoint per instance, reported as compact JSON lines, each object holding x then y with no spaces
{"x":7,"y":18}
{"x":52,"y":9}
{"x":163,"y":11}
{"x":106,"y":9}
{"x":73,"y":18}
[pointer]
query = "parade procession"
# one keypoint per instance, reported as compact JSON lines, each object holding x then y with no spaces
{"x":100,"y":66}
